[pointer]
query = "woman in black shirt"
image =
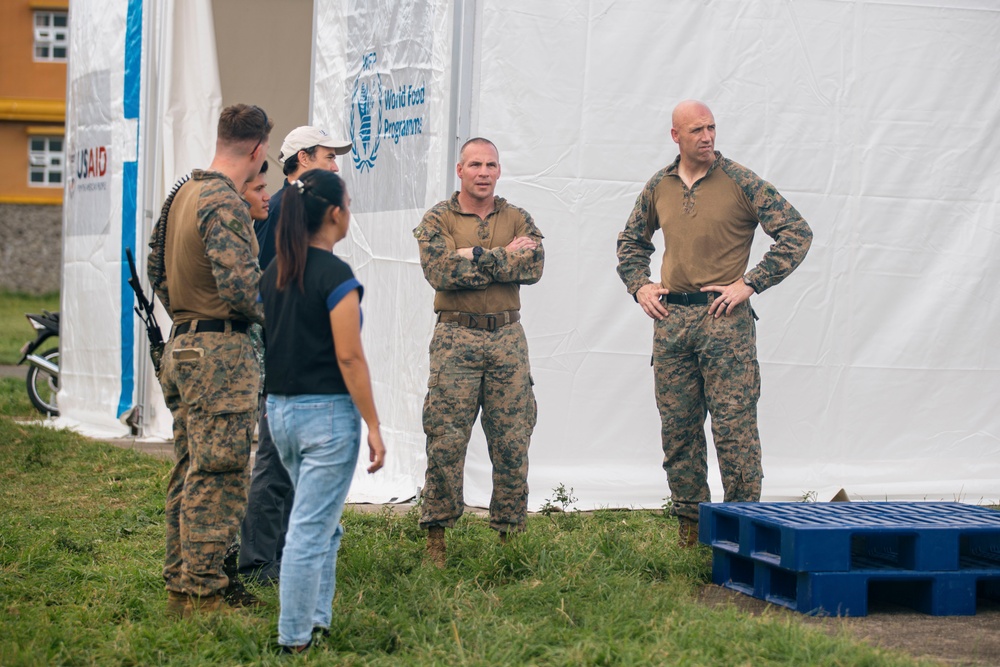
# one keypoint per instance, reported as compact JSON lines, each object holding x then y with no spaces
{"x":318,"y":391}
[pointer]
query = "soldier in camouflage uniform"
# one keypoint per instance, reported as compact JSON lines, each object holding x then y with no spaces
{"x":704,"y":341}
{"x":203,"y":267}
{"x":476,"y":251}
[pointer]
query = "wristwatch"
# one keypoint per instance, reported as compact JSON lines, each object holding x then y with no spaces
{"x":477,"y":252}
{"x":746,"y":281}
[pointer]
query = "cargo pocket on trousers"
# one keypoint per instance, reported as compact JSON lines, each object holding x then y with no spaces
{"x":220,"y":434}
{"x":433,"y":416}
{"x":747,"y":361}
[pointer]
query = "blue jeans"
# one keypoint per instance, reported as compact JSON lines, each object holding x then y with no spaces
{"x":318,"y":437}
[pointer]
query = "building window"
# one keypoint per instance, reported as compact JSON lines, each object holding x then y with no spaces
{"x":51,"y":36}
{"x":45,"y":162}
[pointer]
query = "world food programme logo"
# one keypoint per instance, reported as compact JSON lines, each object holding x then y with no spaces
{"x":366,"y":115}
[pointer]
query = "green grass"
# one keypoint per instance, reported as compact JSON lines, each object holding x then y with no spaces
{"x":81,"y":545}
{"x":14,"y":328}
{"x":14,"y":399}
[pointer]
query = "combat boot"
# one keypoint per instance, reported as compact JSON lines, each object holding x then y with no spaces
{"x":177,"y":604}
{"x":508,"y":536}
{"x":205,"y":604}
{"x":237,"y":596}
{"x":687,"y":533}
{"x":435,"y":545}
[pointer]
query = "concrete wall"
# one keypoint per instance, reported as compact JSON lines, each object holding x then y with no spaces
{"x":265,"y":55}
{"x":30,"y":248}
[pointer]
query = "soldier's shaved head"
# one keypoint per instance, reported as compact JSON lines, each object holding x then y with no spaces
{"x":686,"y":109}
{"x":694,"y":133}
{"x":476,"y":141}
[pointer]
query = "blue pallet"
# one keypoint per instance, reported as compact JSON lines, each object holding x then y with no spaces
{"x":851,"y":593}
{"x":844,"y":537}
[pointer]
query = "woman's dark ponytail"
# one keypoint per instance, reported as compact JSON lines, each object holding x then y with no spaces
{"x":303,"y":206}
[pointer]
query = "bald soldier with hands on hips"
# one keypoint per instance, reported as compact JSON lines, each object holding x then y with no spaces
{"x":707,"y":208}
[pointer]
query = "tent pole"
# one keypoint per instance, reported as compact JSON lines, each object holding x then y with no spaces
{"x":462,"y":60}
{"x":149,"y":152}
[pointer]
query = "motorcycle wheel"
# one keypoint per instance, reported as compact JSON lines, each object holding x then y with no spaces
{"x":43,"y":387}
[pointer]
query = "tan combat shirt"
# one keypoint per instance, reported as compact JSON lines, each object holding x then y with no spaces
{"x":708,"y":230}
{"x":492,"y":284}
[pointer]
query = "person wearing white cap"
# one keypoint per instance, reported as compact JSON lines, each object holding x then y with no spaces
{"x":304,"y":148}
{"x":262,"y":534}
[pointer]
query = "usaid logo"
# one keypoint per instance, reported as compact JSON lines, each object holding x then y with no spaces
{"x":89,"y":169}
{"x":91,"y":162}
{"x":366,"y":115}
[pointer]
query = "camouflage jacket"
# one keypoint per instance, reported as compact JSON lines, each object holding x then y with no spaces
{"x":203,"y":253}
{"x":491,"y":284}
{"x":719,"y":229}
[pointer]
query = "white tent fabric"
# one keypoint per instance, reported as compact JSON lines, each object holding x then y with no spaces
{"x":144,"y":97}
{"x":186,"y":74}
{"x":100,"y":139}
{"x":876,"y":118}
{"x":381,"y":69}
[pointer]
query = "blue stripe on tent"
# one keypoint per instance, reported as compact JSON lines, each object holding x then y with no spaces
{"x":130,"y":183}
{"x":133,"y":58}
{"x":130,"y":177}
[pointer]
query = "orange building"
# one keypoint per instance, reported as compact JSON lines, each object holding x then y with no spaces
{"x":34,"y":45}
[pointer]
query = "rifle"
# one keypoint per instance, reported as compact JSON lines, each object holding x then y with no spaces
{"x":146,"y":314}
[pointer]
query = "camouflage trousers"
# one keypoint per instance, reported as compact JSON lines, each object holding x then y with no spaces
{"x":210,"y":382}
{"x":473,"y":369}
{"x":705,"y":365}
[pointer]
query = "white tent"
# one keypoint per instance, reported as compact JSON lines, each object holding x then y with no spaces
{"x":877,"y":119}
{"x":142,"y":103}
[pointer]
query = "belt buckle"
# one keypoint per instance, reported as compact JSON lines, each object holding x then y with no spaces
{"x":685,"y":298}
{"x":491,"y":323}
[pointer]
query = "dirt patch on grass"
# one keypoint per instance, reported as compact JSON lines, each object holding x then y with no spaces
{"x":951,"y":640}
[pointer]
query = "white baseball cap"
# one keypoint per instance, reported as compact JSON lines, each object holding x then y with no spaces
{"x":308,"y":136}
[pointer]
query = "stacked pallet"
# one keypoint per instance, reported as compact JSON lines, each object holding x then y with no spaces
{"x":840,"y":558}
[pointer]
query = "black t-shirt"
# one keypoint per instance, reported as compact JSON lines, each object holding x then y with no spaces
{"x":300,"y":357}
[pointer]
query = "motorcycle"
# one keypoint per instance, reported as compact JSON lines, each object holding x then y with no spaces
{"x":43,"y":370}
